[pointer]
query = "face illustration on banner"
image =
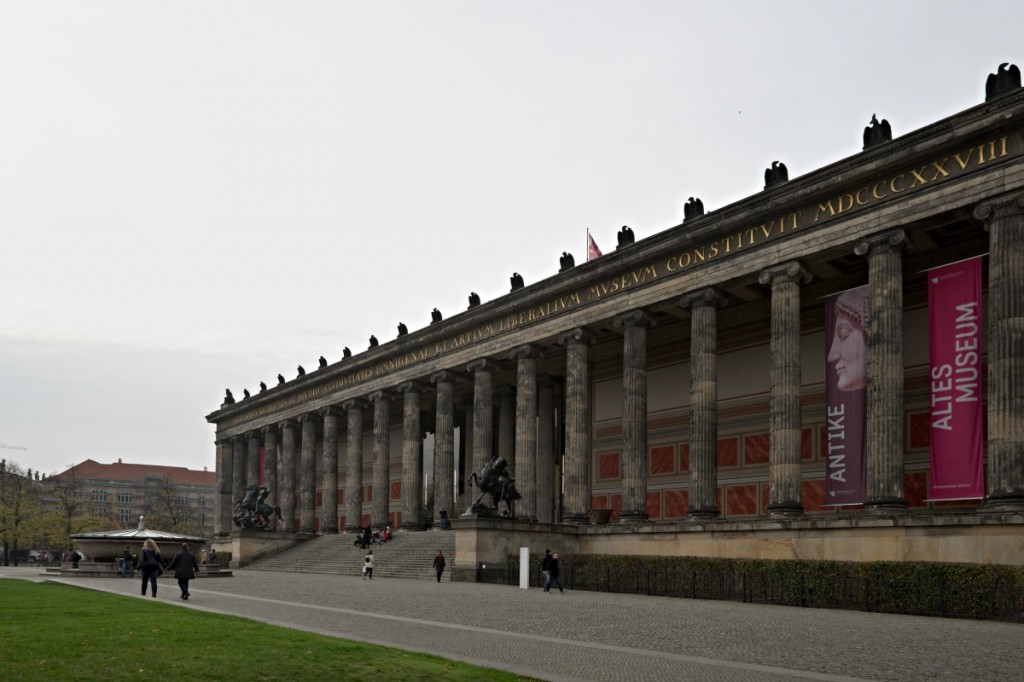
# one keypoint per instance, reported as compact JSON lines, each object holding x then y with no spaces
{"x":848,"y":350}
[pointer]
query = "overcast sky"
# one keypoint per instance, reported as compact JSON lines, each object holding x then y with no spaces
{"x":198,"y":195}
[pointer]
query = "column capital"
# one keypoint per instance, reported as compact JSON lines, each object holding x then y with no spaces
{"x":381,"y":396}
{"x":412,"y":387}
{"x":482,"y":365}
{"x":286,"y":424}
{"x":708,"y":296}
{"x":445,"y":376}
{"x":240,"y":438}
{"x":268,"y":430}
{"x":525,"y":351}
{"x":354,"y":404}
{"x":996,"y":207}
{"x":577,"y":335}
{"x":330,"y":411}
{"x":505,"y":391}
{"x":252,"y":434}
{"x":546,"y":381}
{"x":893,"y":240}
{"x":303,"y":418}
{"x":634,"y":318}
{"x":791,"y":271}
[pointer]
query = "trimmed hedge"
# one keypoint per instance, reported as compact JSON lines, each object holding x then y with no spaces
{"x":948,"y":590}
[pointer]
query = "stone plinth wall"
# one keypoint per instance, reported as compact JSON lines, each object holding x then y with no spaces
{"x":246,"y":546}
{"x":977,"y":538}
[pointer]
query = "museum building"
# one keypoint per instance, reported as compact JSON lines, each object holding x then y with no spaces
{"x":677,"y":396}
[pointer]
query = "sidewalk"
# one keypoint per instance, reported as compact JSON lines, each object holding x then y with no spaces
{"x":598,"y":636}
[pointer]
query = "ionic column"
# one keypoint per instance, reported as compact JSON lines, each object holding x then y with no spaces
{"x":224,"y":504}
{"x":703,"y":305}
{"x":381,"y":457}
{"x":270,"y":437}
{"x":238,"y":460}
{"x":412,"y":457}
{"x":444,"y":444}
{"x":466,"y":452}
{"x":252,"y":458}
{"x":576,"y":461}
{"x":634,"y":325}
{"x":507,"y":426}
{"x":526,"y":429}
{"x":288,"y":475}
{"x":483,"y":412}
{"x":785,"y":419}
{"x":354,"y":466}
{"x":545,"y":449}
{"x":307,"y":475}
{"x":1004,"y":220}
{"x":329,"y":516}
{"x":885,"y":430}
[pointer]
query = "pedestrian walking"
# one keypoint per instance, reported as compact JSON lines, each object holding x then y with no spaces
{"x":439,"y":565}
{"x":366,"y":537}
{"x":554,"y":571}
{"x":368,"y":566}
{"x":544,"y":569}
{"x":151,"y":564}
{"x":127,"y":563}
{"x":184,"y":566}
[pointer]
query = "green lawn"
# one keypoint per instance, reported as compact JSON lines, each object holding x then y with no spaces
{"x":57,"y":632}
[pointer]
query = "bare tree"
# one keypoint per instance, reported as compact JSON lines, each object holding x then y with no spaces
{"x":72,"y":508}
{"x":19,"y":506}
{"x":168,"y":508}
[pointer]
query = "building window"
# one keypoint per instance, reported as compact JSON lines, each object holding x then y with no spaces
{"x":202,"y":501}
{"x":124,"y":515}
{"x":180,"y":502}
{"x":124,"y":498}
{"x":99,"y":495}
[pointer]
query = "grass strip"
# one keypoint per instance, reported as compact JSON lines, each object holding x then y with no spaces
{"x":58,"y":632}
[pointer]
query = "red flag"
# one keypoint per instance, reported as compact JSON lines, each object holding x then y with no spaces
{"x":592,"y":250}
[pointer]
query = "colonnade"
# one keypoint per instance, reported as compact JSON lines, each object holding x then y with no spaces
{"x":525,"y":432}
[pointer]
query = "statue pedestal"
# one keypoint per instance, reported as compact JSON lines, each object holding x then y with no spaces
{"x":249,"y":545}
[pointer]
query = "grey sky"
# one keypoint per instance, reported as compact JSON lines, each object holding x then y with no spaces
{"x":199,"y":195}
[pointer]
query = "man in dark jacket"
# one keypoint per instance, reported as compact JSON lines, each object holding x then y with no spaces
{"x":185,"y":567}
{"x":554,"y":571}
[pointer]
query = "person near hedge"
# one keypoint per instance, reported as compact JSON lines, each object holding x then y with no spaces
{"x":151,"y":564}
{"x":553,"y":573}
{"x":184,"y":566}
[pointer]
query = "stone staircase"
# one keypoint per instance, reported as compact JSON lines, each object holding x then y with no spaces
{"x":406,"y":555}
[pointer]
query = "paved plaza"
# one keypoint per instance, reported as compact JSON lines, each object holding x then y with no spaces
{"x":598,"y":636}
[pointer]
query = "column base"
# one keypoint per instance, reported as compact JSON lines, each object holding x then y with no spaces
{"x":576,"y":519}
{"x":785,"y":509}
{"x":886,"y":505}
{"x":632,"y":516}
{"x":705,"y":514}
{"x":1004,"y":502}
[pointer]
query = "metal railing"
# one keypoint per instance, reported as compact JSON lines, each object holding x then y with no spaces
{"x":941,"y":599}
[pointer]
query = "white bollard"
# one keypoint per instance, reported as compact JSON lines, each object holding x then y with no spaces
{"x":524,"y":568}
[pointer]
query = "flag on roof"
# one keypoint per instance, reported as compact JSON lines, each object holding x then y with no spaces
{"x":592,"y":250}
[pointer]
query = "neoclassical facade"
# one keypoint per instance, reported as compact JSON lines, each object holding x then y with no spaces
{"x":679,"y":381}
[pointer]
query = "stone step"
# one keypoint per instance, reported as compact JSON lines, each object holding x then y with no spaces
{"x":408,"y":555}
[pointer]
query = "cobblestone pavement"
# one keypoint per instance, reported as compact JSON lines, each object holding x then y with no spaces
{"x":598,"y":636}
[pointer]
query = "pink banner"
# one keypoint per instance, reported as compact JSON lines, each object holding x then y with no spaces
{"x":846,"y":317}
{"x":954,"y":317}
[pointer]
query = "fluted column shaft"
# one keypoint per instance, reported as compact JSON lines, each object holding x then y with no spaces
{"x":634,"y":415}
{"x":885,"y":407}
{"x":381,"y":458}
{"x":785,"y":420}
{"x":703,"y":305}
{"x":1004,"y":219}
{"x":223,"y":504}
{"x":576,"y":462}
{"x":444,"y":445}
{"x":329,"y":516}
{"x":252,"y":458}
{"x":354,"y":466}
{"x":412,"y":457}
{"x":307,"y":475}
{"x":507,"y":426}
{"x":545,"y":449}
{"x":526,"y":430}
{"x":270,"y":437}
{"x":483,"y":413}
{"x":465,"y":467}
{"x":288,"y":475}
{"x":238,"y":461}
